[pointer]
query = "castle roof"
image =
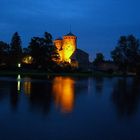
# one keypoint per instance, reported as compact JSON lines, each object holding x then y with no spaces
{"x":69,"y":34}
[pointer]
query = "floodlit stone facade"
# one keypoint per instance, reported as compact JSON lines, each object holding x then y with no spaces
{"x":66,"y":46}
{"x":68,"y":52}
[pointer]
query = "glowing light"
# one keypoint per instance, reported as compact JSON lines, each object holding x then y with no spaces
{"x":63,"y":89}
{"x":19,"y":65}
{"x":27,"y":59}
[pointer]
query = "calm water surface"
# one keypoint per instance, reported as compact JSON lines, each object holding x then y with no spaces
{"x":66,"y":108}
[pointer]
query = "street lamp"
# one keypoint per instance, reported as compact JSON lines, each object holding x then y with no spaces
{"x":19,"y":65}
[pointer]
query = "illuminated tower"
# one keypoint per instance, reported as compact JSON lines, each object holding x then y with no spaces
{"x":66,"y":47}
{"x":69,"y":46}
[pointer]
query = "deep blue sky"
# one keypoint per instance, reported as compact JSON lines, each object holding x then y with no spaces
{"x":97,"y":23}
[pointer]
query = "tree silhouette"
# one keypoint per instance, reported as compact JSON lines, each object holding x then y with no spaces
{"x":16,"y":49}
{"x":99,"y":58}
{"x":127,"y":53}
{"x":43,"y":51}
{"x":4,"y":47}
{"x":26,"y":51}
{"x":4,"y":51}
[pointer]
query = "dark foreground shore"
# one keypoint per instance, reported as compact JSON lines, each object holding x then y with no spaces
{"x":43,"y":73}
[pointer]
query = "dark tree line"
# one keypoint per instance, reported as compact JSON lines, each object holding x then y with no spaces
{"x":40,"y":48}
{"x":15,"y":51}
{"x":127,"y":54}
{"x":4,"y":51}
{"x":43,"y":51}
{"x":99,"y":59}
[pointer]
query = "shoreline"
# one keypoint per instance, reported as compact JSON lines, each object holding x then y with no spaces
{"x":74,"y":74}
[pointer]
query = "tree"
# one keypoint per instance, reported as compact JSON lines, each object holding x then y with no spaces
{"x":16,"y":49}
{"x":48,"y":38}
{"x":99,"y":58}
{"x":42,"y":50}
{"x":4,"y":47}
{"x":26,"y":51}
{"x":51,"y":50}
{"x":4,"y":51}
{"x":127,"y":53}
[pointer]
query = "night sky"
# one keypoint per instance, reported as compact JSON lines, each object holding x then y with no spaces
{"x":98,"y":24}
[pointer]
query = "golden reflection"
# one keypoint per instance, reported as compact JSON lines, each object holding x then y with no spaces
{"x":63,"y":90}
{"x":27,"y":86}
{"x":18,"y":85}
{"x":18,"y":82}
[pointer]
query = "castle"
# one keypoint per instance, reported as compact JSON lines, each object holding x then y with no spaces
{"x":66,"y":47}
{"x":68,"y":52}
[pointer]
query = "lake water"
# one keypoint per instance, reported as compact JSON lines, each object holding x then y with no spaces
{"x":66,"y":108}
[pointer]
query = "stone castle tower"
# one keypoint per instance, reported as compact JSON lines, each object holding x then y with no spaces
{"x":66,"y":46}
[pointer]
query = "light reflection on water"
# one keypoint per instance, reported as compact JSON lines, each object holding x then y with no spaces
{"x":63,"y":91}
{"x":27,"y":85}
{"x":18,"y":82}
{"x":26,"y":81}
{"x":97,"y":108}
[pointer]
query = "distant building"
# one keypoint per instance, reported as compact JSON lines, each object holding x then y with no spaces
{"x":67,"y":49}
